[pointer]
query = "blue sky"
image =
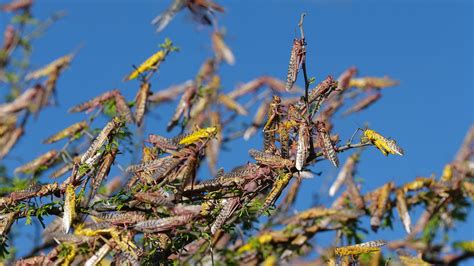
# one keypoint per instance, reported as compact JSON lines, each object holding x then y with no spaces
{"x":427,"y":45}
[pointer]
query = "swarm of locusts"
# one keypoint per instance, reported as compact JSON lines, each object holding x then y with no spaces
{"x":93,"y":208}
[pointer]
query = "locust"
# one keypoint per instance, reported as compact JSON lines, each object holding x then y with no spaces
{"x":228,"y":207}
{"x":231,"y":104}
{"x":163,"y":143}
{"x":270,"y":160}
{"x":141,"y":100}
{"x":303,"y":146}
{"x":322,"y":90}
{"x":294,"y":119}
{"x":170,"y":93}
{"x":214,"y":145}
{"x":198,"y":135}
{"x":354,"y":192}
{"x":69,"y":209}
{"x":34,"y":190}
{"x":47,"y":70}
{"x":101,"y":138}
{"x":163,"y":224}
{"x":277,"y":189}
{"x":345,"y":78}
{"x":372,"y":82}
{"x":61,"y":237}
{"x":257,"y":120}
{"x":237,"y":176}
{"x":364,"y":103}
{"x":381,"y":205}
{"x":122,"y":108}
{"x":27,"y":193}
{"x":93,"y":103}
{"x":346,"y":172}
{"x":447,"y":173}
{"x":156,"y":198}
{"x":311,"y":213}
{"x":270,"y":126}
{"x":103,"y":170}
{"x":284,"y":139}
{"x":16,"y":5}
{"x":164,"y":164}
{"x":6,"y":221}
{"x":222,"y":51}
{"x":9,"y":37}
{"x":23,"y":101}
{"x":121,"y":218}
{"x":408,"y":260}
{"x":148,"y":154}
{"x":183,"y":107}
{"x":297,"y":58}
{"x":98,"y":255}
{"x":69,"y":132}
{"x":290,"y":196}
{"x":402,"y":209}
{"x":386,"y":146}
{"x":153,"y":62}
{"x":206,"y":71}
{"x":247,"y":88}
{"x":43,"y":160}
{"x":418,"y":183}
{"x":7,"y":142}
{"x":326,"y":144}
{"x":358,"y":249}
{"x":218,"y":183}
{"x":201,"y":10}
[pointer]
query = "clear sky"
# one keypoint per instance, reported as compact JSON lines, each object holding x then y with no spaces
{"x":427,"y":45}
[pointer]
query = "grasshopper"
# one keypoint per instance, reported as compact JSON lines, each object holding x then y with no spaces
{"x":304,"y":134}
{"x":402,"y":209}
{"x":297,"y":58}
{"x":270,"y":160}
{"x":382,"y":200}
{"x":27,"y":193}
{"x":277,"y":189}
{"x":364,"y":103}
{"x":163,"y":224}
{"x":57,"y":64}
{"x":258,"y":120}
{"x":386,"y":146}
{"x":121,"y":218}
{"x":270,"y":126}
{"x":345,"y":173}
{"x":101,"y":138}
{"x":95,"y":102}
{"x":228,"y":207}
{"x":141,"y":100}
{"x":152,"y":63}
{"x":70,"y":132}
{"x":122,"y":108}
{"x":98,"y":255}
{"x":326,"y":144}
{"x":69,"y":209}
{"x":358,"y":249}
{"x":372,"y":82}
{"x":43,"y":160}
{"x":103,"y":170}
{"x":221,"y":50}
